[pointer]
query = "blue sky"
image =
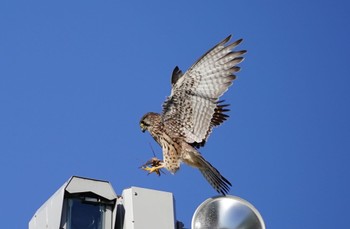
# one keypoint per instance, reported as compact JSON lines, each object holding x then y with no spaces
{"x":76,"y":77}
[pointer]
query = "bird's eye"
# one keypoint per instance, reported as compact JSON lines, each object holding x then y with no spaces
{"x":144,"y":123}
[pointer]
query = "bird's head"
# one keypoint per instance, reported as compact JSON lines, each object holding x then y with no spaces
{"x":147,"y":121}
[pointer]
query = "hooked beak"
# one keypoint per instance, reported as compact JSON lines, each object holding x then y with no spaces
{"x":143,"y":128}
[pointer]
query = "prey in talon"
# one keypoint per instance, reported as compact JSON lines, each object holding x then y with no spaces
{"x":154,"y":165}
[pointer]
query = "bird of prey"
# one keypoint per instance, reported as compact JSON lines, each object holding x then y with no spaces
{"x":192,"y":110}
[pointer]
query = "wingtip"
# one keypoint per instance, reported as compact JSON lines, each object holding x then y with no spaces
{"x":227,"y":39}
{"x":237,"y":42}
{"x":177,"y":73}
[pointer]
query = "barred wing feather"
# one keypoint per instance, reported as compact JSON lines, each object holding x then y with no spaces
{"x":193,"y":109}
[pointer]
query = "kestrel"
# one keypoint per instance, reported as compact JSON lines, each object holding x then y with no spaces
{"x":192,"y":110}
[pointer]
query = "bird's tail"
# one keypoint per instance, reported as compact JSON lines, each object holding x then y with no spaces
{"x":215,"y":179}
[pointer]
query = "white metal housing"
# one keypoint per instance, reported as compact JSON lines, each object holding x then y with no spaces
{"x":51,"y":214}
{"x":146,"y":208}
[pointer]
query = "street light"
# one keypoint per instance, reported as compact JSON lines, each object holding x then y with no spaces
{"x":227,"y":212}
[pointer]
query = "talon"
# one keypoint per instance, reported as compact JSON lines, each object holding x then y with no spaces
{"x":154,"y":165}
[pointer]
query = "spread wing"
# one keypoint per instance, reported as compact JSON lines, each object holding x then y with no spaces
{"x":193,"y":109}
